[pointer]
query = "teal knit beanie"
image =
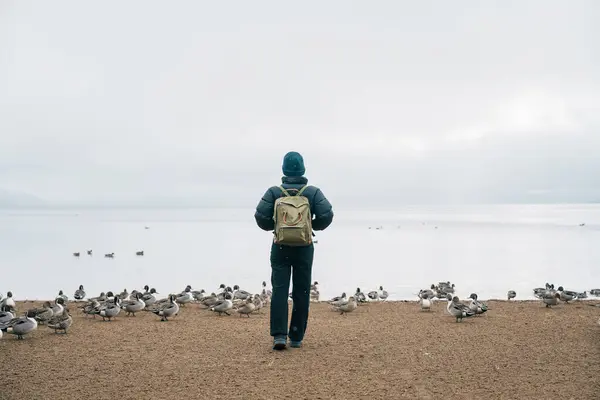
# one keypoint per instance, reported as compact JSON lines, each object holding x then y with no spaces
{"x":293,"y":164}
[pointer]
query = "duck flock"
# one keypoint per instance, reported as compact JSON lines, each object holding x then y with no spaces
{"x":226,"y":300}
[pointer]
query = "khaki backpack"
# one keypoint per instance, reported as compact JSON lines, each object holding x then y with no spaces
{"x":293,"y":220}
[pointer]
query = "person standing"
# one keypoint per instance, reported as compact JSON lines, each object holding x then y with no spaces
{"x":292,"y":211}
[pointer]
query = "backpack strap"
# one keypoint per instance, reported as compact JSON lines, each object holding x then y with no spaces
{"x":284,"y":191}
{"x":297,"y":194}
{"x":301,"y":190}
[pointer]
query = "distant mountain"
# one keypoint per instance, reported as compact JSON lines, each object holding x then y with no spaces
{"x":10,"y":199}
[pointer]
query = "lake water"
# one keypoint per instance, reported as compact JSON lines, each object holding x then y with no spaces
{"x":483,"y":249}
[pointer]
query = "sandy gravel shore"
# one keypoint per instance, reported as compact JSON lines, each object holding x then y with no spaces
{"x":517,"y":350}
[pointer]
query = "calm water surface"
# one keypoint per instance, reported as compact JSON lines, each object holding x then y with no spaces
{"x":483,"y":249}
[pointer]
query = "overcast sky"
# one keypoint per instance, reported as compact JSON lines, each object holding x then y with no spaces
{"x":403,"y":101}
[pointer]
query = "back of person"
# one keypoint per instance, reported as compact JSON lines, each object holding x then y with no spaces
{"x":284,"y":210}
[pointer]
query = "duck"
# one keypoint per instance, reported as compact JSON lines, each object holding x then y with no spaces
{"x":247,"y":308}
{"x":109,"y":255}
{"x":134,"y":305}
{"x":109,"y":310}
{"x":223,"y":306}
{"x":20,"y":326}
{"x":268,"y":291}
{"x":58,"y":306}
{"x":209,"y":301}
{"x":457,"y":309}
{"x":5,"y":315}
{"x":566,"y":295}
{"x":550,"y":298}
{"x":61,"y":322}
{"x":150,"y":297}
{"x":429,"y":292}
{"x":446,"y":287}
{"x":425,"y":302}
{"x":8,"y":302}
{"x":240,"y":294}
{"x":511,"y":294}
{"x":76,"y":254}
{"x":338,"y":300}
{"x":124,"y":295}
{"x":63,"y":296}
{"x":43,"y":314}
{"x":360,"y":296}
{"x":139,"y":253}
{"x":476,"y":306}
{"x":102,"y":297}
{"x":383,"y":294}
{"x":373,"y":295}
{"x":582,"y":295}
{"x":265,"y":297}
{"x":198,"y":294}
{"x":185,"y":296}
{"x":89,"y":252}
{"x":79,"y":293}
{"x":166,"y":310}
{"x":346,"y":306}
{"x":90,"y":306}
{"x":258,"y":302}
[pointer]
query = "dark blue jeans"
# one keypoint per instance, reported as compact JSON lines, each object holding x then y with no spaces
{"x":295,"y":263}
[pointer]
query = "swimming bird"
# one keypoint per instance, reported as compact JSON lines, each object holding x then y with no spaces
{"x":139,"y":253}
{"x":223,"y":306}
{"x":425,"y":302}
{"x":79,"y":293}
{"x":89,"y":252}
{"x":76,"y":254}
{"x":61,"y":322}
{"x":166,"y":310}
{"x":247,"y":308}
{"x":20,"y":326}
{"x":511,"y":294}
{"x":476,"y":306}
{"x":346,"y":306}
{"x":457,"y":309}
{"x":8,"y":302}
{"x":109,"y":255}
{"x":134,"y":305}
